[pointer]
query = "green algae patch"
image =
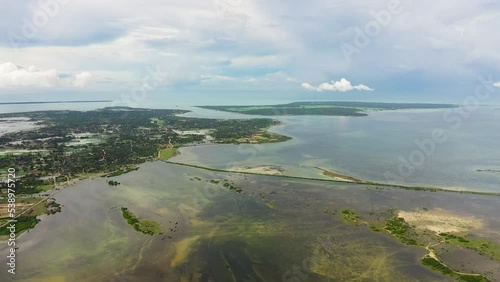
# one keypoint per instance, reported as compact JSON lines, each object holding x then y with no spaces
{"x":183,"y":250}
{"x":341,"y":257}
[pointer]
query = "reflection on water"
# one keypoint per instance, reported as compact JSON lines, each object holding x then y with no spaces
{"x":275,"y":230}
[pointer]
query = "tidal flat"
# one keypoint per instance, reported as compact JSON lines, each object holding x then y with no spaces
{"x":274,"y":229}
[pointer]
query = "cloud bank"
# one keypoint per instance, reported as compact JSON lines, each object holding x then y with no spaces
{"x":12,"y":75}
{"x":424,"y":52}
{"x":343,"y":85}
{"x":15,"y":76}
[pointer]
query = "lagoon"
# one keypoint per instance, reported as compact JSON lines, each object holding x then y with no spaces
{"x":371,"y":148}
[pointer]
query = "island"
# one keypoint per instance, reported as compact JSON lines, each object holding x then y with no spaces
{"x":326,"y":108}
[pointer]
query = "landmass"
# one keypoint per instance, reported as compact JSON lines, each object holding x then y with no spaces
{"x":63,"y":146}
{"x":53,"y":102}
{"x":339,"y":176}
{"x":489,"y":170}
{"x":327,"y":108}
{"x":118,"y":139}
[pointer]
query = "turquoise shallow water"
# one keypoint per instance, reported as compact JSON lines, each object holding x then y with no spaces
{"x":379,"y":147}
{"x":386,"y":146}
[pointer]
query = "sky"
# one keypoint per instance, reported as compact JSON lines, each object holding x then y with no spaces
{"x":249,"y":51}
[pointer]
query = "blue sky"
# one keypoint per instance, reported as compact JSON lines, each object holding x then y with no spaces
{"x":225,"y":51}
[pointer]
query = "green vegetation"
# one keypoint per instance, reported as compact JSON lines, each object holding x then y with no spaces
{"x":368,"y":183}
{"x":23,"y":223}
{"x":327,"y":108}
{"x":52,"y":206}
{"x":232,"y":187}
{"x":127,"y":137}
{"x":438,"y":266}
{"x":398,"y":227}
{"x":483,"y":247}
{"x":113,"y":183}
{"x":148,"y":227}
{"x":167,"y":153}
{"x":350,"y":216}
{"x":122,"y":171}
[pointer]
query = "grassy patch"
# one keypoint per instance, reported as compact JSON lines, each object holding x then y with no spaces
{"x":167,"y":153}
{"x":484,"y":247}
{"x":398,"y":227}
{"x":438,"y":266}
{"x":23,"y":223}
{"x":148,"y":227}
{"x":46,"y":187}
{"x":350,"y":216}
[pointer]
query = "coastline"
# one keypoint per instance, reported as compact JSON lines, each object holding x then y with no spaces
{"x":365,"y":221}
{"x":404,"y":187}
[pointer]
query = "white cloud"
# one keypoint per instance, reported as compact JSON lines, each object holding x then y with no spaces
{"x":12,"y":75}
{"x":83,"y":79}
{"x":15,"y":76}
{"x":308,"y":86}
{"x":343,"y":85}
{"x":447,"y":41}
{"x":496,"y":84}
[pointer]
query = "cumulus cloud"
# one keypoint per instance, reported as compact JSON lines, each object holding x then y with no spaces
{"x":83,"y":79}
{"x":15,"y":76}
{"x":12,"y":75}
{"x":343,"y":85}
{"x":496,"y":84}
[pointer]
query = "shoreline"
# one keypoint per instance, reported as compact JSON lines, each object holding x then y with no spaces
{"x":338,"y":178}
{"x":431,"y":252}
{"x":404,"y":187}
{"x":43,"y":199}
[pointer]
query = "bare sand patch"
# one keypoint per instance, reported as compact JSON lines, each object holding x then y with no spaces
{"x":338,"y":176}
{"x":261,"y":169}
{"x":4,"y":208}
{"x":441,"y":221}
